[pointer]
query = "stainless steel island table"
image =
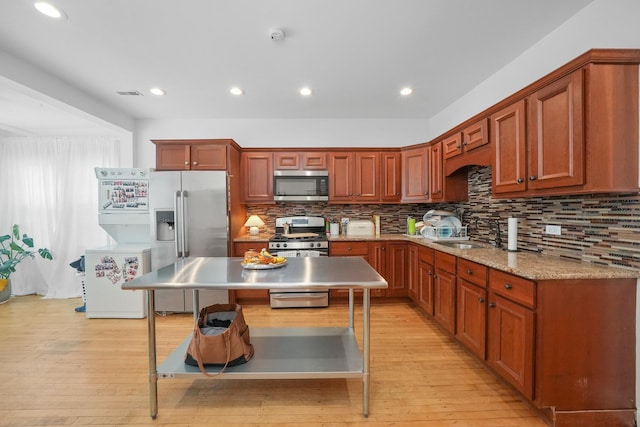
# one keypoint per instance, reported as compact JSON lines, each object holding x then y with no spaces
{"x":290,"y":352}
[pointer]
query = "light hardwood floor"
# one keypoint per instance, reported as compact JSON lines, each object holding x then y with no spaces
{"x":58,"y":368}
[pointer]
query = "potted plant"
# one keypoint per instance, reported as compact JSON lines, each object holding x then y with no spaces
{"x":13,"y":249}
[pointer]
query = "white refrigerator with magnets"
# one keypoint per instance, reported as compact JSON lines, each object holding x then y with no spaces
{"x":106,"y":270}
{"x":123,"y":212}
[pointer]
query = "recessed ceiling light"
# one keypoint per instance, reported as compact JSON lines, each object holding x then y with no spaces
{"x":236,"y":91}
{"x":157,"y":91}
{"x":49,"y":10}
{"x":405,"y":91}
{"x":306,"y":91}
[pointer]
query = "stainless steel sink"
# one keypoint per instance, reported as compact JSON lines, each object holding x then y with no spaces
{"x":461,"y":245}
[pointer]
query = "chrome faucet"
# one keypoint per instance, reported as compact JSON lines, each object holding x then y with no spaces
{"x":498,"y":240}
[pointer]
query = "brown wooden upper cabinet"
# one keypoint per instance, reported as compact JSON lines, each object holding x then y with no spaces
{"x":471,"y":137}
{"x":301,"y":160}
{"x":436,"y":174}
{"x":578,"y":134}
{"x":354,"y":177}
{"x":415,"y":175}
{"x":191,"y":154}
{"x":391,"y":177}
{"x":257,"y":176}
{"x":509,"y":139}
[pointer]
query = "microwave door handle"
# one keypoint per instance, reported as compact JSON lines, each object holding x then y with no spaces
{"x":185,"y":223}
{"x":178,"y":224}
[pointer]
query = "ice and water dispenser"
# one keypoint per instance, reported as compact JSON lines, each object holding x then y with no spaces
{"x":165,"y":225}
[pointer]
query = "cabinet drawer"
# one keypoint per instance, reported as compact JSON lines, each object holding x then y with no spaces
{"x":446,"y":262}
{"x":472,"y":272}
{"x":515,"y":288}
{"x":425,"y":255}
{"x":349,"y":248}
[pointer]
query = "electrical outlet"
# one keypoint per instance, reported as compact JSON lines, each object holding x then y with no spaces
{"x":555,"y":230}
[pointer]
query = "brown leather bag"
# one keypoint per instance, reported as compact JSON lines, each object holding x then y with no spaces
{"x":221,"y":338}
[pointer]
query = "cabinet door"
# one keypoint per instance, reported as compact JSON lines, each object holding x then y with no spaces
{"x":311,"y":160}
{"x":412,"y":272}
{"x":556,"y":129}
{"x":396,"y":269}
{"x":173,"y":157}
{"x":444,"y":310}
{"x":475,"y":136}
{"x":289,"y":160}
{"x":425,"y":286}
{"x":510,"y":342}
{"x":390,"y":185}
{"x":208,"y":157}
{"x":341,"y":173}
{"x":377,"y":257}
{"x":436,"y":173}
{"x":452,"y":146}
{"x":508,"y":133}
{"x":367,"y":177}
{"x":257,"y":174}
{"x":471,"y":317}
{"x":415,"y":181}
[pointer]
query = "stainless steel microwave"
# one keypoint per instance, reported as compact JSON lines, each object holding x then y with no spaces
{"x":301,"y":186}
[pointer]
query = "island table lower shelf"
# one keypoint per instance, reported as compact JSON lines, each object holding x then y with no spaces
{"x":283,"y":353}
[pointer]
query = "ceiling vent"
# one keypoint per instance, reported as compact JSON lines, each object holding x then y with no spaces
{"x":129,"y":93}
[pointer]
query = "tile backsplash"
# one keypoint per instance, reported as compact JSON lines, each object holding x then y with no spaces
{"x":600,"y":228}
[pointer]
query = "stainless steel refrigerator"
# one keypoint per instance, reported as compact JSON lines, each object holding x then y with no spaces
{"x":189,"y":218}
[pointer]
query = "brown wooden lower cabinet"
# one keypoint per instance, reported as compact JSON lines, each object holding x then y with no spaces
{"x":511,"y":338}
{"x":566,"y":345}
{"x":471,"y":317}
{"x":444,"y":291}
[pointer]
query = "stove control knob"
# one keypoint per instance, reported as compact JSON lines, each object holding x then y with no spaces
{"x":277,"y":245}
{"x":284,"y":245}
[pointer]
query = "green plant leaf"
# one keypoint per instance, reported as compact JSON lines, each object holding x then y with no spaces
{"x":16,"y":232}
{"x":45,"y":253}
{"x":27,"y":240}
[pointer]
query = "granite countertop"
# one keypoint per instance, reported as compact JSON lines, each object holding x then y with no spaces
{"x":525,"y":264}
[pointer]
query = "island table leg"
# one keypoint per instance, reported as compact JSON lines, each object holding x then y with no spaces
{"x":365,"y":346}
{"x":151,"y":338}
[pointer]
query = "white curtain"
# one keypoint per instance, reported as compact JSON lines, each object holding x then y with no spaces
{"x":50,"y":190}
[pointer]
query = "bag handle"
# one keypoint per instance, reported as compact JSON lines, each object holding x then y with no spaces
{"x":225,"y":338}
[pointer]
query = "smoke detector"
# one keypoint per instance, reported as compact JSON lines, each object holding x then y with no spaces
{"x":276,"y":34}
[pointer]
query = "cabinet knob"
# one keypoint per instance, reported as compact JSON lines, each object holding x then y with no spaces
{"x":349,"y":248}
{"x":519,"y":180}
{"x":480,"y":299}
{"x":430,"y":273}
{"x":195,"y":163}
{"x":458,"y":146}
{"x":435,"y":276}
{"x":508,"y":286}
{"x":492,"y":304}
{"x":465,"y":143}
{"x":186,"y":163}
{"x":469,"y":272}
{"x":532,"y":178}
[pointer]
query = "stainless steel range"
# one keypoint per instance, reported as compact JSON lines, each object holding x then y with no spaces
{"x":299,"y":236}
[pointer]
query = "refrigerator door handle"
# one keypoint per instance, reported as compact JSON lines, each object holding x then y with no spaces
{"x":178,"y":225}
{"x":185,"y":223}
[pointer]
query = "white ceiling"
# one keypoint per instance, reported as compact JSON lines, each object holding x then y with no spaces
{"x":355,"y":54}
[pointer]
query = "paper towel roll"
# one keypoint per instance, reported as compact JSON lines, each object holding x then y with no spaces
{"x":512,"y":233}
